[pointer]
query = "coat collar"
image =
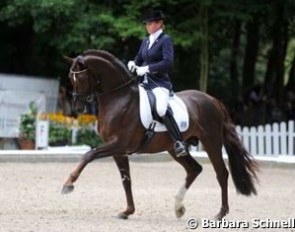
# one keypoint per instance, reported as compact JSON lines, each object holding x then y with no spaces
{"x":155,"y":42}
{"x":156,"y":34}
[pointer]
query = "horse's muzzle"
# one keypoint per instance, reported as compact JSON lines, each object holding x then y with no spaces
{"x":79,"y":107}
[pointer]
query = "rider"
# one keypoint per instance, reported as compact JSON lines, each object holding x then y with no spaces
{"x":154,"y":59}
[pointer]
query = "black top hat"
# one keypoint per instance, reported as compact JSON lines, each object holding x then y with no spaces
{"x":153,"y":15}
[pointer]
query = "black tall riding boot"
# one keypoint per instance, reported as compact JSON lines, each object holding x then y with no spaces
{"x":173,"y":130}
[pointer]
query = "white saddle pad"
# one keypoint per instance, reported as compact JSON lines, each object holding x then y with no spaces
{"x":178,"y":107}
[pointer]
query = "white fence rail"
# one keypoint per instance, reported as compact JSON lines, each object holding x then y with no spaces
{"x":276,"y":139}
{"x":269,"y":140}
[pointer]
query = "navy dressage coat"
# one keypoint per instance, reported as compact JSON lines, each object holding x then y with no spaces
{"x":159,"y":58}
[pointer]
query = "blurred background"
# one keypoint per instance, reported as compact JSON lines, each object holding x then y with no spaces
{"x":240,"y":51}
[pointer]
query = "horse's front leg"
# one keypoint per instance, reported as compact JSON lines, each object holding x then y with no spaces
{"x":123,"y":166}
{"x":101,"y":152}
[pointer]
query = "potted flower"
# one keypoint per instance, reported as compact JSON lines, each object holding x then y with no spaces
{"x":27,"y":128}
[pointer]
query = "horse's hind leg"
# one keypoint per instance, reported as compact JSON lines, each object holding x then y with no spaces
{"x":193,"y":169}
{"x":123,"y":166}
{"x":214,"y":150}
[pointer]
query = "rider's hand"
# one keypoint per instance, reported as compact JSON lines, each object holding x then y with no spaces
{"x":140,"y":71}
{"x":131,"y":66}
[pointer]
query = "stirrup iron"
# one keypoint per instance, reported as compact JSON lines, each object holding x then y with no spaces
{"x":180,"y":149}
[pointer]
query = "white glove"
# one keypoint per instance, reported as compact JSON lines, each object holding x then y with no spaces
{"x":131,"y":66}
{"x":140,"y":71}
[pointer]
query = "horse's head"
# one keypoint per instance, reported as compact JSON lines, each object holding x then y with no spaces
{"x":96,"y":73}
{"x":85,"y":86}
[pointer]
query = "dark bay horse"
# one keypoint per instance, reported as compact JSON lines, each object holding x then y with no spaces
{"x":99,"y":75}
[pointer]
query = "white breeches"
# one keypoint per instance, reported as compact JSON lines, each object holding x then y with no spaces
{"x":162,"y":98}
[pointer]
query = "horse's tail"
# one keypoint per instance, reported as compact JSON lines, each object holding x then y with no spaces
{"x":242,"y":165}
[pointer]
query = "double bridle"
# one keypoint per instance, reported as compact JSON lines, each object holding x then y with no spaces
{"x":89,"y":97}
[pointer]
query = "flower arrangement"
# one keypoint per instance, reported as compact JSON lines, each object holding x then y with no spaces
{"x":60,"y":129}
{"x":86,"y":119}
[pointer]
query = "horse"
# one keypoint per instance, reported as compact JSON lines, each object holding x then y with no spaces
{"x":99,"y":75}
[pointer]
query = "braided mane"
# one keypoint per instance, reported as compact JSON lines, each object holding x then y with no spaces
{"x":109,"y":57}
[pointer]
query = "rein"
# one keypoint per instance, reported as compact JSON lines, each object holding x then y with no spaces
{"x":117,"y":88}
{"x":89,"y":96}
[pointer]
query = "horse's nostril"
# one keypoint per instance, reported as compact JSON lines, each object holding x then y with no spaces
{"x":80,"y":109}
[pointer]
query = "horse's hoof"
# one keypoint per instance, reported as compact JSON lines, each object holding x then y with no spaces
{"x":123,"y":216}
{"x":218,"y":217}
{"x":67,"y":189}
{"x":223,"y":211}
{"x":180,"y":212}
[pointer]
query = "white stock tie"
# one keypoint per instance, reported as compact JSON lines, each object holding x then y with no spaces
{"x":152,"y":40}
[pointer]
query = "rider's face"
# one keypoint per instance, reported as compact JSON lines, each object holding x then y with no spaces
{"x":152,"y":27}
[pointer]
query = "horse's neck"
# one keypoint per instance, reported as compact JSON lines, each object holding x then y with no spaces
{"x":118,"y":113}
{"x":112,"y":84}
{"x":116,"y":103}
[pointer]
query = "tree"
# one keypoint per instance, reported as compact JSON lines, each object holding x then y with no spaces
{"x":279,"y":32}
{"x":235,"y":48}
{"x":251,"y":52}
{"x":204,"y":57}
{"x":221,"y":47}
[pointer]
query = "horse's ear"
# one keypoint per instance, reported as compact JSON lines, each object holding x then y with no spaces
{"x":69,"y":60}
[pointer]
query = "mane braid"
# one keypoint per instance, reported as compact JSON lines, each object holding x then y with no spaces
{"x":111,"y":58}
